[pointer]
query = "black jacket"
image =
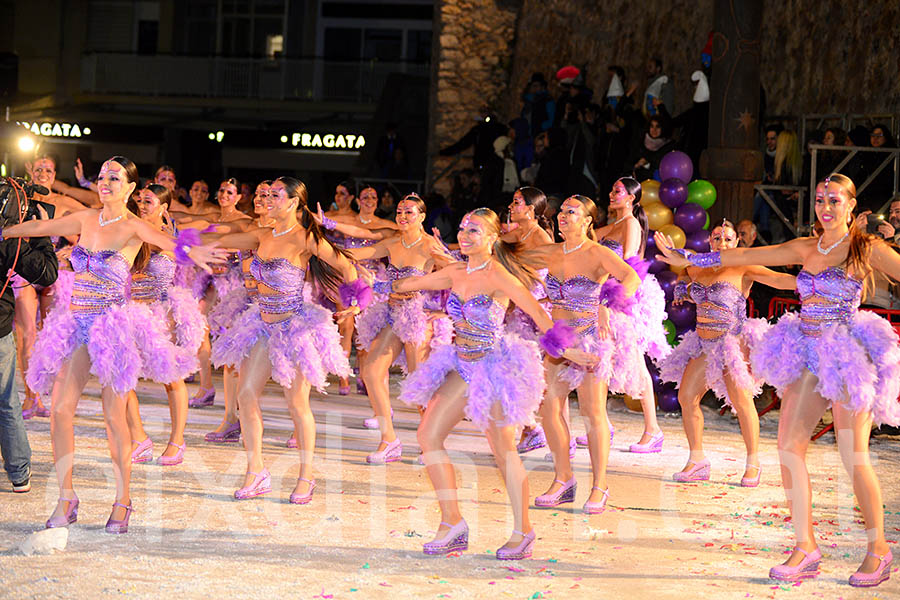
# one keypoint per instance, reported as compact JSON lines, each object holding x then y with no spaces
{"x":37,"y":263}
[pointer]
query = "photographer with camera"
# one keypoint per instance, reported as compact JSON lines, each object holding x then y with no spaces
{"x":34,"y":260}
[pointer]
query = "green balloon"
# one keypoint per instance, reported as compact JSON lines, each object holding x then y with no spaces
{"x":707,"y":222}
{"x":670,"y":331}
{"x":702,"y":192}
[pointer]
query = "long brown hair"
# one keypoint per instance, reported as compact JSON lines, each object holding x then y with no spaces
{"x":323,"y":274}
{"x":590,"y":209}
{"x":506,"y":252}
{"x":857,"y":262}
{"x":131,"y":176}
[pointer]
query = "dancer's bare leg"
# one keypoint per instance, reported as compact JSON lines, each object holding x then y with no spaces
{"x":384,"y":350}
{"x":503,"y":444}
{"x":178,"y":409}
{"x":648,"y":406}
{"x":119,"y":441}
{"x":556,"y":428}
{"x":297,"y":397}
{"x":749,"y":421}
{"x":690,"y":392}
{"x":255,"y":372}
{"x":592,"y":402}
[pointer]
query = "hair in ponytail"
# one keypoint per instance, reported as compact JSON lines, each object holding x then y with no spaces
{"x":590,"y":209}
{"x":506,"y":252}
{"x":634,"y":188}
{"x":323,"y":274}
{"x":860,"y":242}
{"x":532,"y":196}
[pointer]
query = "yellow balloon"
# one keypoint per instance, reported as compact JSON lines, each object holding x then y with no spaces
{"x":632,"y":404}
{"x":675,"y":232}
{"x":649,"y":191}
{"x":658,"y":215}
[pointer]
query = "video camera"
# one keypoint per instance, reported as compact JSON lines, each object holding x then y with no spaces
{"x":17,"y":203}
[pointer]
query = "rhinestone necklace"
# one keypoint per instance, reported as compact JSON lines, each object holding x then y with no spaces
{"x":275,"y":234}
{"x":111,"y":221}
{"x":573,"y":249}
{"x":471,"y":270}
{"x":418,"y":239}
{"x":831,"y":247}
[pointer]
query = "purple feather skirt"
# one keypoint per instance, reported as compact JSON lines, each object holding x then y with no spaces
{"x":124,"y":343}
{"x":605,"y":349}
{"x":649,"y":313}
{"x":173,"y":350}
{"x":230,"y":303}
{"x":724,"y":355}
{"x":510,"y":374}
{"x":408,"y":320}
{"x":857,"y":364}
{"x":307,"y":343}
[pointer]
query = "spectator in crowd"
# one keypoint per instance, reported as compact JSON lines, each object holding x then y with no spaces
{"x":877,"y":193}
{"x":747,"y":234}
{"x":464,"y":193}
{"x":657,"y":143}
{"x":398,"y":167}
{"x":553,"y":174}
{"x":827,"y":160}
{"x":539,"y":108}
{"x":439,"y":216}
{"x":762,"y":212}
{"x":496,"y":172}
{"x":387,"y":207}
{"x":771,"y":140}
{"x":585,"y":151}
{"x":788,"y":169}
{"x":658,"y":88}
{"x":385,"y":151}
{"x":694,"y":122}
{"x":894,"y":219}
{"x":528,"y":175}
{"x":523,"y":143}
{"x":575,"y":94}
{"x":482,"y":135}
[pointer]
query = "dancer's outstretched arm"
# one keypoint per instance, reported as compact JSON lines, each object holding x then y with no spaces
{"x":792,"y":252}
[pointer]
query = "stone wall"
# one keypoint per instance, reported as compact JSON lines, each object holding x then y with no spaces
{"x":474,"y":46}
{"x":817,"y":57}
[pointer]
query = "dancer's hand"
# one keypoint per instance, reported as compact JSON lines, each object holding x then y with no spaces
{"x":669,"y":255}
{"x":206,"y":255}
{"x":580,"y":357}
{"x":603,"y":331}
{"x":319,"y":215}
{"x":348,"y":313}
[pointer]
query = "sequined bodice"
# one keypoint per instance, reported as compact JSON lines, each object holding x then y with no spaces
{"x":153,"y":282}
{"x":100,"y":279}
{"x":394,"y":273}
{"x":285,"y":281}
{"x":578,"y":295}
{"x":828,"y":297}
{"x":477,"y":323}
{"x":721,"y":307}
{"x":613,"y":245}
{"x":347,"y":242}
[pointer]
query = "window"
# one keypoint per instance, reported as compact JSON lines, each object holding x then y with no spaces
{"x":383,"y":44}
{"x":343,"y":43}
{"x":274,"y":46}
{"x":418,"y":45}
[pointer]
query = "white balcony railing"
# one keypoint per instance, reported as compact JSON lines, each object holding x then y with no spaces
{"x":312,"y":79}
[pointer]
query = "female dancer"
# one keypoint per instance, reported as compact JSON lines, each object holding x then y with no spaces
{"x":32,"y":299}
{"x":715,"y":355}
{"x":200,"y":205}
{"x":395,"y":324}
{"x":153,"y":285}
{"x":830,"y":354}
{"x":532,"y":230}
{"x":212,"y":290}
{"x":283,"y":334}
{"x":578,"y":269}
{"x":491,"y":377}
{"x":344,"y":196}
{"x":99,"y":334}
{"x":627,"y":237}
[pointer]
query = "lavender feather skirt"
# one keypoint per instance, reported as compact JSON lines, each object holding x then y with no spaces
{"x":724,"y":355}
{"x":173,"y":352}
{"x":511,"y":374}
{"x":857,"y":364}
{"x":232,"y":302}
{"x":650,"y":311}
{"x":125,"y":342}
{"x":606,"y":349}
{"x":307,"y":343}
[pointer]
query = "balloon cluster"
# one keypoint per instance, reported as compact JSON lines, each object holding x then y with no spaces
{"x":675,"y":206}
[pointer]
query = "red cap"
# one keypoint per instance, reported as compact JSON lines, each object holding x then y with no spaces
{"x":567,"y":74}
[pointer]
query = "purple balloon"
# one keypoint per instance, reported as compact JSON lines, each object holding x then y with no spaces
{"x":673,"y":193}
{"x":698,"y":241}
{"x":667,"y":281}
{"x":683,"y":315}
{"x":650,"y":251}
{"x":657,"y":266}
{"x":676,"y":165}
{"x":690,"y":217}
{"x":667,"y":399}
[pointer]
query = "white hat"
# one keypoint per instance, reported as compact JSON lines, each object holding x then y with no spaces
{"x":701,"y":94}
{"x":500,"y":144}
{"x":615,"y":87}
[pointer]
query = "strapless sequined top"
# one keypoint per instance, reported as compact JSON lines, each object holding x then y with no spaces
{"x":101,"y":278}
{"x":578,"y":295}
{"x":477,"y":323}
{"x":828,"y":297}
{"x":613,"y":245}
{"x":721,"y":307}
{"x":153,"y":282}
{"x":284,"y":279}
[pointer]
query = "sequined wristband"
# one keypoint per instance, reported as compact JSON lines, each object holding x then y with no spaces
{"x":329,"y":224}
{"x":558,"y":339}
{"x":681,"y":290}
{"x":706,"y":259}
{"x":186,"y":240}
{"x":356,"y":293}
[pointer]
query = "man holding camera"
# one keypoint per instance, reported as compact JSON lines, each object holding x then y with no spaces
{"x":35,"y":261}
